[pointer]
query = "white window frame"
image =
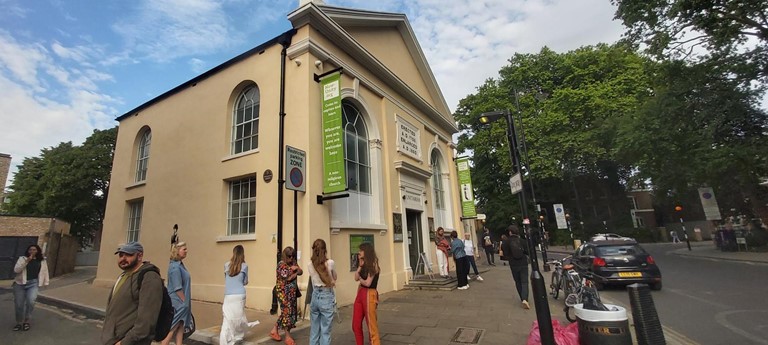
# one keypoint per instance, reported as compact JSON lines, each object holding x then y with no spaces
{"x":437,"y":180}
{"x":248,"y":102}
{"x":245,"y":196}
{"x":135,"y":213}
{"x":362,"y":153}
{"x":142,"y":156}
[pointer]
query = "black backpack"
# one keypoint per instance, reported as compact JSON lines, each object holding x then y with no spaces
{"x":165,"y":318}
{"x":516,"y":248}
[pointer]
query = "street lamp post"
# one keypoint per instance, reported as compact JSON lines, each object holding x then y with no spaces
{"x":679,"y":209}
{"x":544,"y":243}
{"x":537,"y":280}
{"x":570,"y":230}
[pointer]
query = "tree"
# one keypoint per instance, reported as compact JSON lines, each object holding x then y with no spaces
{"x":734,"y":33}
{"x":68,"y":182}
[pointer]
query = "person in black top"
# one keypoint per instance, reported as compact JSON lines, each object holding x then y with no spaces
{"x":516,"y":252}
{"x":31,"y":273}
{"x":367,"y":297}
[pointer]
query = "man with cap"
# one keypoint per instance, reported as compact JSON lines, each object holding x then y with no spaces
{"x":132,"y":310}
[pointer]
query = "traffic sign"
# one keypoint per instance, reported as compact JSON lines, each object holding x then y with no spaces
{"x":516,"y":183}
{"x":295,"y":162}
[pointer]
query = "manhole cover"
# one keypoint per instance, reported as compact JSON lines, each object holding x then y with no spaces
{"x":466,"y":335}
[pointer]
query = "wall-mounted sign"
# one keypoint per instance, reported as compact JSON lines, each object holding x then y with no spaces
{"x":709,"y":203}
{"x":334,"y":171}
{"x":267,"y":175}
{"x":465,"y":188}
{"x":294,"y":169}
{"x":560,"y":216}
{"x":408,"y":138}
{"x":354,"y":248}
{"x":397,"y":225}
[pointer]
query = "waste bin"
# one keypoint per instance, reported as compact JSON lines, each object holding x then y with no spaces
{"x":597,"y":327}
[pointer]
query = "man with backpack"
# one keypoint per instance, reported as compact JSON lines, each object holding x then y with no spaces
{"x":515,"y":252}
{"x":488,"y":246}
{"x":135,"y":301}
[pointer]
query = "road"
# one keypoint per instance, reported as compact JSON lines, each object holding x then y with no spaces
{"x":50,"y":326}
{"x":712,"y":302}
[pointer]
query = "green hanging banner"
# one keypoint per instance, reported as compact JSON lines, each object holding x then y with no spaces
{"x":465,"y":188}
{"x":335,"y":179}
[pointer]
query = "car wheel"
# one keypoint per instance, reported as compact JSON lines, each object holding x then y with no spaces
{"x":656,"y":286}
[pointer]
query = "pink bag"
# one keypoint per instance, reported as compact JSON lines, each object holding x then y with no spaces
{"x":568,"y":335}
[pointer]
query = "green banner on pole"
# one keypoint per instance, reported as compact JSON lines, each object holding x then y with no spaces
{"x":465,"y":188}
{"x":335,"y":179}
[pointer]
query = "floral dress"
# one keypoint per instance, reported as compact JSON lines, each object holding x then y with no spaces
{"x":286,"y":293}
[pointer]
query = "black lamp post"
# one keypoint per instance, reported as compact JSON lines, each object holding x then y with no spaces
{"x":537,"y":280}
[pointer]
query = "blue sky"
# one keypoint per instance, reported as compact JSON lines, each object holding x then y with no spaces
{"x":69,"y":67}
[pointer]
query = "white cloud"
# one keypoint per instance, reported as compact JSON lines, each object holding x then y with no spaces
{"x":197,"y":65}
{"x":164,"y":30}
{"x":21,"y":60}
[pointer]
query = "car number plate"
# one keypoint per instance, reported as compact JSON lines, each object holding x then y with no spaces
{"x":630,"y":274}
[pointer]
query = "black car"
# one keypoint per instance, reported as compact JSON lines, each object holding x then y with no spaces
{"x":617,"y":262}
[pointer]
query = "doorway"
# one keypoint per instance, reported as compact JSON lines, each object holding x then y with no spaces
{"x":415,"y":241}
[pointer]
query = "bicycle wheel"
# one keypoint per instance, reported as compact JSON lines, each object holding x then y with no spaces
{"x":568,"y":316}
{"x":555,"y":285}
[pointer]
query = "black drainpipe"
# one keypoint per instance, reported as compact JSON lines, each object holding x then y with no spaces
{"x":285,"y":41}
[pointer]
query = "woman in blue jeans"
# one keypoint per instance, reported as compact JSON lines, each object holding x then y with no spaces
{"x":323,"y":278}
{"x":31,"y":273}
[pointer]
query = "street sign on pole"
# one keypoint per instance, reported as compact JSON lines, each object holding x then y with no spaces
{"x":516,"y":183}
{"x":295,"y":162}
{"x":560,"y":216}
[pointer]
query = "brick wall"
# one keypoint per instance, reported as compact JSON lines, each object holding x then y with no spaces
{"x":31,"y":226}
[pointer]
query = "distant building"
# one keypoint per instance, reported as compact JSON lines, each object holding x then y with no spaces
{"x":5,"y":168}
{"x":205,"y":155}
{"x":641,"y":209}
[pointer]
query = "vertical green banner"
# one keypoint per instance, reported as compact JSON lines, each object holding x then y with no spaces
{"x":465,"y":188}
{"x":335,"y":179}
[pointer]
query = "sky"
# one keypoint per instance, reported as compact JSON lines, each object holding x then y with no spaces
{"x":70,"y":67}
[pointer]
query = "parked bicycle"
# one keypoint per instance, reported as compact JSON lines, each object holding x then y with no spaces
{"x":564,"y":277}
{"x":584,"y":289}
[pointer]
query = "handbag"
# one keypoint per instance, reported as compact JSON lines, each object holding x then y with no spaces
{"x":189,"y":329}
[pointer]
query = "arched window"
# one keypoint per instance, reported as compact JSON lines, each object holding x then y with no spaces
{"x":245,"y":121}
{"x":142,"y":155}
{"x":356,"y":152}
{"x":437,"y":180}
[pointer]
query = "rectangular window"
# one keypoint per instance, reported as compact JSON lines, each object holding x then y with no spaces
{"x":246,"y":130}
{"x":134,"y":220}
{"x":632,"y":202}
{"x":241,"y":218}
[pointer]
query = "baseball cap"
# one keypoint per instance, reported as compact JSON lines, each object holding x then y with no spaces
{"x":130,"y":248}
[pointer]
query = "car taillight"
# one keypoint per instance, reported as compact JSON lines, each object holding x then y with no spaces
{"x":598,"y":262}
{"x":650,"y":260}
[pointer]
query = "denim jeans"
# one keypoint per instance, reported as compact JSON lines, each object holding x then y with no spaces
{"x":24,"y":297}
{"x":321,"y":315}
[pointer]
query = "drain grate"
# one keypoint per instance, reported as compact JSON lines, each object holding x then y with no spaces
{"x":466,"y":335}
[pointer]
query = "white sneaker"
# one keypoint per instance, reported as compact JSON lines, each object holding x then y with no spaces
{"x":469,"y":278}
{"x":526,"y":305}
{"x":479,"y":278}
{"x":463,"y":287}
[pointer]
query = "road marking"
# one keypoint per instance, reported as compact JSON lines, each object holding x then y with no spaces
{"x":704,"y":300}
{"x":722,"y":319}
{"x":670,"y":335}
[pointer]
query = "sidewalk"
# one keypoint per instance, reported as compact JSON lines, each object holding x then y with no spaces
{"x":708,"y":250}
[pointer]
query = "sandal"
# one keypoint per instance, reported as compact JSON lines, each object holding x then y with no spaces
{"x":26,"y":326}
{"x":290,"y":341}
{"x":17,"y":327}
{"x":275,"y":336}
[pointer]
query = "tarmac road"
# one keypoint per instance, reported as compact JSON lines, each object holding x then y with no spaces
{"x":710,"y":301}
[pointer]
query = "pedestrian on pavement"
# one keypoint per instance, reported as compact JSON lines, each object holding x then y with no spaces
{"x":462,"y":262}
{"x":135,"y":300}
{"x":287,"y":293}
{"x":367,"y":296}
{"x":516,"y":253}
{"x":31,"y":273}
{"x":443,"y":246}
{"x":180,"y":291}
{"x":322,"y":272}
{"x":235,"y":322}
{"x":469,"y":249}
{"x":502,"y":258}
{"x":675,"y":239}
{"x":488,"y":246}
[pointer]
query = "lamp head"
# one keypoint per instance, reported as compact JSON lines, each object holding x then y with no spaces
{"x":492,"y":116}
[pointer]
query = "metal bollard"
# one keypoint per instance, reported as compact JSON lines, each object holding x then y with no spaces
{"x":647,"y":324}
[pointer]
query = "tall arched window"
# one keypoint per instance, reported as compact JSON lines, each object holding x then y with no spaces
{"x":437,"y":180}
{"x":142,"y":155}
{"x":245,"y":121}
{"x":356,"y":152}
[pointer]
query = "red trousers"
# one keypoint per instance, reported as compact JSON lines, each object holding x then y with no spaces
{"x":365,"y":307}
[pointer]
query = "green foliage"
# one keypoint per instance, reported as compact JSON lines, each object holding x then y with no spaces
{"x":734,"y":33}
{"x":68,"y":182}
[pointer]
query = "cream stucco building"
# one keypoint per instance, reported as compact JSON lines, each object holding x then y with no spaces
{"x":206,"y":156}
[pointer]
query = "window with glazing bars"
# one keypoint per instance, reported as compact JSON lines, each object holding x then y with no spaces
{"x":142,"y":157}
{"x":245,"y":128}
{"x":135,"y":210}
{"x":356,"y":152}
{"x":242,"y":207}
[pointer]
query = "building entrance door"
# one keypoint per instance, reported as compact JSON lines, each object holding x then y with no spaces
{"x":415,"y":240}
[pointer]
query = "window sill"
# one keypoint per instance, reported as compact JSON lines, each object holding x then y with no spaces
{"x":236,"y":238}
{"x":241,"y":154}
{"x":347,"y":226}
{"x":137,"y":184}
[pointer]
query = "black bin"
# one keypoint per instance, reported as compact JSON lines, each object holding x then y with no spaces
{"x":603,"y":327}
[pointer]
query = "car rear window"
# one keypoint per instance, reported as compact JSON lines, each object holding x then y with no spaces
{"x":627,"y":249}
